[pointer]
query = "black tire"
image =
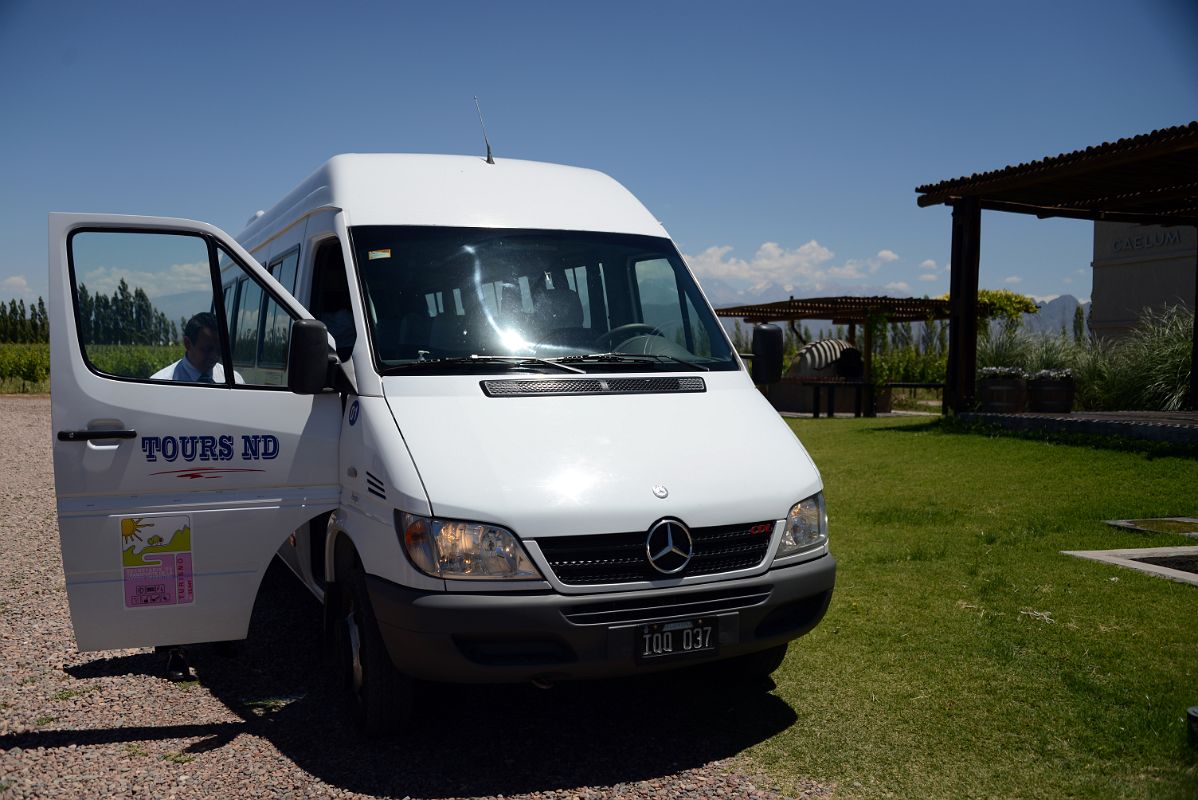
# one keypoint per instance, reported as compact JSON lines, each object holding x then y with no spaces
{"x":377,"y":696}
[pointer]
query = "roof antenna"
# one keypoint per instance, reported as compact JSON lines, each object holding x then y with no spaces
{"x":484,"y":127}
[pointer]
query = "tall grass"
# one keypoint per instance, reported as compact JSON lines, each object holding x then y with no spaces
{"x":25,"y":367}
{"x":1149,"y":369}
{"x":1158,"y":352}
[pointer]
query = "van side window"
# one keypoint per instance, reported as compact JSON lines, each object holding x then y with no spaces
{"x":259,"y":325}
{"x":657,"y":291}
{"x":245,"y":327}
{"x":144,"y":304}
{"x":699,"y":342}
{"x":330,"y":296}
{"x":283,"y":268}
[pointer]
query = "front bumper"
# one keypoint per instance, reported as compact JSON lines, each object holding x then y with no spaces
{"x":515,"y":637}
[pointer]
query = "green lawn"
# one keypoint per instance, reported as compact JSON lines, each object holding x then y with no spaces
{"x":963,"y":656}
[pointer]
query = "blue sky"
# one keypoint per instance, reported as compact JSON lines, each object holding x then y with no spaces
{"x":779,"y":143}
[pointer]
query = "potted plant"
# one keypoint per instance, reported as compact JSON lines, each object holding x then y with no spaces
{"x":1002,"y":390}
{"x":1051,"y":390}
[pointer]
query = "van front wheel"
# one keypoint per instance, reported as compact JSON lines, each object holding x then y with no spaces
{"x":378,"y":697}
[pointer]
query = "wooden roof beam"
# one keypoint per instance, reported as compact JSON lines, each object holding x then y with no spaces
{"x":1093,"y":215}
{"x":1187,"y":192}
{"x":1036,"y":173}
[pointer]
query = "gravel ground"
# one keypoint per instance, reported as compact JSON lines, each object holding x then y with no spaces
{"x":260,"y":721}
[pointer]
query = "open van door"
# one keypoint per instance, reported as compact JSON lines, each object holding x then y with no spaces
{"x":178,"y":477}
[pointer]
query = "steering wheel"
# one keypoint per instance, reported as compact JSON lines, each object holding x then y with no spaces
{"x":625,"y":332}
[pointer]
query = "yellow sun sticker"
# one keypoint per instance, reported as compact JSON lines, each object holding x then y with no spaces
{"x":371,"y":255}
{"x":156,"y":559}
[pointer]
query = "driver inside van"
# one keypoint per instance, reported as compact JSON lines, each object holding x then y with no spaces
{"x":201,"y":357}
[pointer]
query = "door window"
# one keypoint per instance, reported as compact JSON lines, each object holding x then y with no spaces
{"x":145,"y":309}
{"x":137,"y":296}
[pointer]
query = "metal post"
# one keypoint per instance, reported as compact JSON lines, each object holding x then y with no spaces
{"x":870,"y":410}
{"x":963,"y":303}
{"x":1194,"y":341}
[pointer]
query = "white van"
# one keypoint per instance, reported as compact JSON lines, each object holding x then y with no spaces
{"x":524,"y":450}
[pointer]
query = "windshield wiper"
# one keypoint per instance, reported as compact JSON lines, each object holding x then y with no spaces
{"x":476,"y":360}
{"x":629,"y":358}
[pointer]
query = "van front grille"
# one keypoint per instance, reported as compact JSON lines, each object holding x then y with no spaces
{"x":622,"y":558}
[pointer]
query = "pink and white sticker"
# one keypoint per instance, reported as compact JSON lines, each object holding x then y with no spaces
{"x":156,"y":561}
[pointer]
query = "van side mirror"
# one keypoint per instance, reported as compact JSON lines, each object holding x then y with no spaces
{"x":308,"y":357}
{"x":767,"y":353}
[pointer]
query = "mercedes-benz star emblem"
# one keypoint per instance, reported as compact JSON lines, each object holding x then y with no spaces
{"x":669,"y":547}
{"x":661,"y":492}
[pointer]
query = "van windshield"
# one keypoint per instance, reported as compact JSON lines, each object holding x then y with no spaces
{"x":450,"y":300}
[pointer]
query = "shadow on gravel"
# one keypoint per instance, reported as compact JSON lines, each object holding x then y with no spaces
{"x":138,"y":664}
{"x":471,"y":740}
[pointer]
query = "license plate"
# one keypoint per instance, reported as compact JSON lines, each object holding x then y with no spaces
{"x":658,"y":640}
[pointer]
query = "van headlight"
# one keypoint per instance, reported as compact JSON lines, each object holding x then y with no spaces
{"x":455,"y":550}
{"x":806,"y":527}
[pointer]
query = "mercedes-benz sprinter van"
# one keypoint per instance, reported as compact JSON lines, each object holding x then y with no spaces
{"x":482,"y":410}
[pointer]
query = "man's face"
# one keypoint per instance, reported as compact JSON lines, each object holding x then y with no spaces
{"x":204,"y":352}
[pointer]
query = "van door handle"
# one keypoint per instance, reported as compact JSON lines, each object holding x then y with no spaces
{"x":89,"y":435}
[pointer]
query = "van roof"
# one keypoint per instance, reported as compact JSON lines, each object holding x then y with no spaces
{"x":459,"y":191}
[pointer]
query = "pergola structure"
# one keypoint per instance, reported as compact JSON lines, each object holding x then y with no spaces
{"x":1149,"y":179}
{"x":851,"y":311}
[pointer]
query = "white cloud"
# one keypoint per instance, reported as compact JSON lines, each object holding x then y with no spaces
{"x":1044,"y":298}
{"x":927,"y":263}
{"x":17,"y":286}
{"x":770,"y":262}
{"x":928,"y":277}
{"x":807,"y":268}
{"x":898,"y":286}
{"x":1067,"y":280}
{"x":1012,"y":279}
{"x":174,"y":279}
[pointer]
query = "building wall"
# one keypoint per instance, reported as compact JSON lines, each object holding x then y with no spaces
{"x":1138,"y":267}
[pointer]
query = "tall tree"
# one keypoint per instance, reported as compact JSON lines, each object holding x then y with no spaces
{"x":86,"y":310}
{"x":43,"y":321}
{"x":14,"y":322}
{"x":22,"y":323}
{"x":122,"y":309}
{"x":102,"y":329}
{"x":142,"y":318}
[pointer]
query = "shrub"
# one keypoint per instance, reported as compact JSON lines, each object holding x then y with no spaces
{"x":1006,"y":348}
{"x":1149,"y":369}
{"x":26,"y":367}
{"x":1152,"y":364}
{"x":26,"y":363}
{"x":133,"y":360}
